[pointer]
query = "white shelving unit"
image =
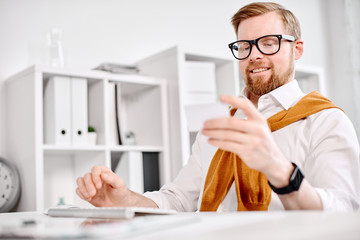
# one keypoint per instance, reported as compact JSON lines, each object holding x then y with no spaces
{"x":311,"y":78}
{"x":49,"y":172}
{"x":171,"y":64}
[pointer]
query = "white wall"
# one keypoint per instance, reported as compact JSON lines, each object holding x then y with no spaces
{"x":124,"y":31}
{"x":343,"y":60}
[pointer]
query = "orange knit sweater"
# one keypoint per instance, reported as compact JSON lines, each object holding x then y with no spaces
{"x":252,"y":189}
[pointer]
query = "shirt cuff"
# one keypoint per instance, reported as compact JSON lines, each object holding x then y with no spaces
{"x":337,"y":201}
{"x":156,"y":197}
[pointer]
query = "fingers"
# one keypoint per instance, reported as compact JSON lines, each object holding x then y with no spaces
{"x":244,"y":105}
{"x":89,"y":185}
{"x":81,"y":190}
{"x":254,"y":124}
{"x":90,"y":182}
{"x":112,"y":179}
{"x":78,"y":192}
{"x":98,"y":178}
{"x":96,"y":171}
{"x":222,"y":134}
{"x":228,"y":146}
{"x":102,"y":174}
{"x":230,"y":123}
{"x":233,"y":134}
{"x":232,"y":141}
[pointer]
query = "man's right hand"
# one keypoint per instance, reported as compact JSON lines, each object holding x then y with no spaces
{"x":103,"y":188}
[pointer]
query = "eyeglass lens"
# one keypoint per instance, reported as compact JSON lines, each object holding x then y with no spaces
{"x":266,"y":45}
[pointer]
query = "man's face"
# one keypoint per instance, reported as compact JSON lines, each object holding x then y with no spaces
{"x":264,"y":73}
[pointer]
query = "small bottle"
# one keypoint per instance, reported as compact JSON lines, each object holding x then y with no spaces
{"x":61,"y":201}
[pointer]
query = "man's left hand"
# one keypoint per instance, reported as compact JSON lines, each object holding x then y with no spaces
{"x":250,"y":139}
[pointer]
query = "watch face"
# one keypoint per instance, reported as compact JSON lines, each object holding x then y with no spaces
{"x":9,"y":186}
{"x":297,"y":178}
{"x":294,"y":182}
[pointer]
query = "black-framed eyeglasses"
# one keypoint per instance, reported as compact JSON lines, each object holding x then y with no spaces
{"x":268,"y":45}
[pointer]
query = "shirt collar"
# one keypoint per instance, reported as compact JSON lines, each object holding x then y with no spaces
{"x":288,"y":94}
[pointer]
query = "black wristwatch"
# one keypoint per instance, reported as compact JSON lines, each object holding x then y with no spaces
{"x":294,"y":183}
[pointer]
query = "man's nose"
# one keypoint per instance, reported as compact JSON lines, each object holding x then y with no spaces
{"x":255,"y":53}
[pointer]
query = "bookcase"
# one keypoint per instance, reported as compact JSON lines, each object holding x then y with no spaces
{"x":187,"y":86}
{"x":48,"y":172}
{"x":175,"y":63}
{"x":311,"y":78}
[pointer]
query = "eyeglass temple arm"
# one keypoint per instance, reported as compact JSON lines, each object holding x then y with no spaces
{"x":288,"y":37}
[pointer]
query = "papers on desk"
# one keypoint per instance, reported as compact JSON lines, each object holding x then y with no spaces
{"x":235,"y":225}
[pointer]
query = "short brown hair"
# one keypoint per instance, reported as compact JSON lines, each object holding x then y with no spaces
{"x":291,"y":23}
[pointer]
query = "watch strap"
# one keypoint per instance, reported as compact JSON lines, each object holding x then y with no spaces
{"x":296,"y":178}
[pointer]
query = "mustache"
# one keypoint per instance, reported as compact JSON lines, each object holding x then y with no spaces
{"x":257,"y":65}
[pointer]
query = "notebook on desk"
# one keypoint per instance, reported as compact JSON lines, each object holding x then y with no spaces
{"x":106,"y":212}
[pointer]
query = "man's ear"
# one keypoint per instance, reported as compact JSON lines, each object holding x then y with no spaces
{"x":298,"y":48}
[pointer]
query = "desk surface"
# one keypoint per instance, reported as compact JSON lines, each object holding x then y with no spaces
{"x":245,"y":225}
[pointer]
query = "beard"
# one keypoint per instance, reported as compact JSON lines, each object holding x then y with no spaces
{"x":262,"y":85}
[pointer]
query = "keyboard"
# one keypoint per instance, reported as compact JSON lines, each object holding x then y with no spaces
{"x":106,"y":212}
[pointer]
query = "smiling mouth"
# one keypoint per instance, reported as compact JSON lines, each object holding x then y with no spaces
{"x":257,"y":70}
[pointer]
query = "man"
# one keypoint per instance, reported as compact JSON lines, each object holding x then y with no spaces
{"x":306,"y":132}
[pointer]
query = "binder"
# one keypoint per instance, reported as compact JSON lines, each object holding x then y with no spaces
{"x":151,"y":171}
{"x":118,"y":111}
{"x":79,"y":111}
{"x":200,"y":82}
{"x":111,"y":114}
{"x":130,"y":169}
{"x":57,"y":111}
{"x":200,"y":77}
{"x":114,"y":113}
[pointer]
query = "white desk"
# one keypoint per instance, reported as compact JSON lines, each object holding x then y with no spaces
{"x":245,"y":225}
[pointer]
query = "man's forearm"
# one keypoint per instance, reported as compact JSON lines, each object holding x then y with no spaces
{"x":136,"y":199}
{"x":306,"y":198}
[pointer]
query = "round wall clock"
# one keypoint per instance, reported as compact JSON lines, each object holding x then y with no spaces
{"x":9,"y":185}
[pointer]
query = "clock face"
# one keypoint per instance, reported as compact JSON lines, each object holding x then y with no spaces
{"x":9,"y":186}
{"x":6,"y":184}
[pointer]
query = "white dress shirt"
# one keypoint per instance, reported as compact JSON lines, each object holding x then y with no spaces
{"x":323,"y":145}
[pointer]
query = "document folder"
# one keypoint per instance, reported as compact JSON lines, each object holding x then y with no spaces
{"x":79,"y":111}
{"x":57,"y":111}
{"x":115,"y":112}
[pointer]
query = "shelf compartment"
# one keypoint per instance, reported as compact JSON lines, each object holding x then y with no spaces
{"x":61,"y":170}
{"x":49,"y":171}
{"x":141,"y":110}
{"x":143,"y":166}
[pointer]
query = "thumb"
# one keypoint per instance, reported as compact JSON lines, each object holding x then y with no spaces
{"x":112,"y":179}
{"x":243,"y":104}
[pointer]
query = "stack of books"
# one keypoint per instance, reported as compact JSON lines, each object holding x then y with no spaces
{"x":117,"y":68}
